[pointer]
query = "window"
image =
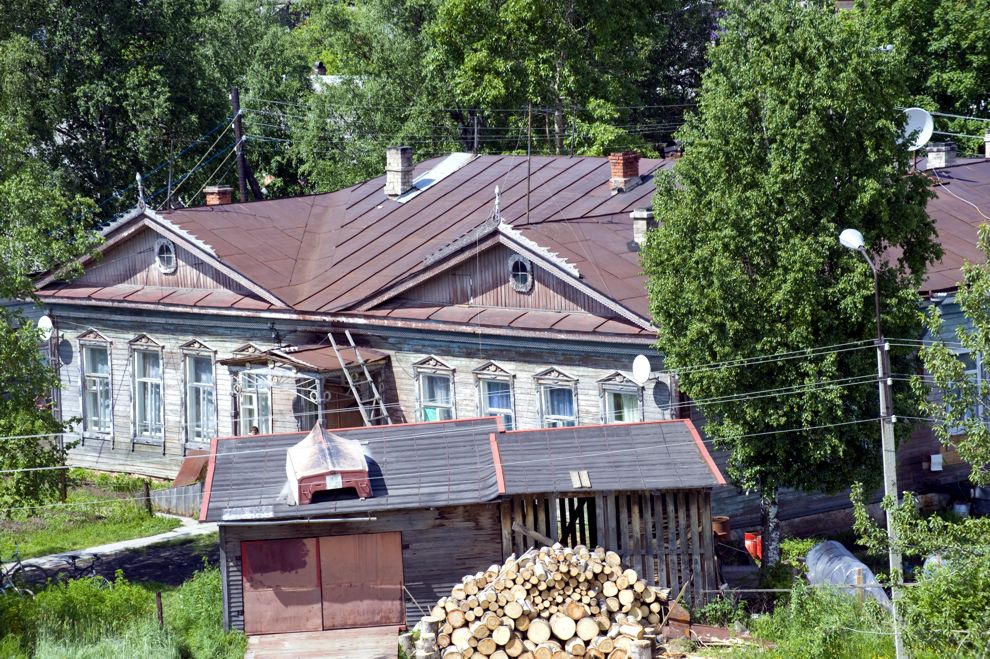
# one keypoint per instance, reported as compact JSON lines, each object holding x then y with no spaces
{"x":436,"y":400}
{"x":973,"y":364}
{"x":165,"y":255}
{"x":496,"y":400}
{"x":201,"y":410}
{"x":255,"y":403}
{"x":305,"y":407}
{"x":520,"y":273}
{"x":148,"y":394}
{"x":622,"y":406}
{"x":97,"y":408}
{"x":558,"y":406}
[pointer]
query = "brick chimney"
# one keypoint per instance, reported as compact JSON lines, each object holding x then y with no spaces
{"x":941,"y":154}
{"x":398,"y":170}
{"x":218,"y":195}
{"x":624,"y":171}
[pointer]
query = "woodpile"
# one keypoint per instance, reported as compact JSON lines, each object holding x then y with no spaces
{"x":552,"y":602}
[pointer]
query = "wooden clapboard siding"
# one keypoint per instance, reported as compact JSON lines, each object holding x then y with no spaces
{"x":665,"y":536}
{"x":438,"y":548}
{"x":400,"y":381}
{"x":133,"y":262}
{"x":484,"y":282}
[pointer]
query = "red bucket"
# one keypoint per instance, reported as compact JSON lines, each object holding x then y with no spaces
{"x":754,"y":545}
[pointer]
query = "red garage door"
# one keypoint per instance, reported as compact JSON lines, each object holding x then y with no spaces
{"x":281,"y":586}
{"x":362,"y":580}
{"x":334,"y":582}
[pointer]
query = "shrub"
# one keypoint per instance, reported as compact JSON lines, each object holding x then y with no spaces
{"x":195,"y":612}
{"x":822,"y":622}
{"x":721,"y":612}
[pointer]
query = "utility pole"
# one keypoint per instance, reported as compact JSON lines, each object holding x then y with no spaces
{"x":852,"y":239}
{"x":235,"y":105}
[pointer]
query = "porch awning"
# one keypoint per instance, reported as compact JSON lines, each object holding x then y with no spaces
{"x":313,"y":358}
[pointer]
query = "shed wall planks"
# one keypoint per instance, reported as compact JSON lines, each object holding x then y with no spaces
{"x":438,"y":548}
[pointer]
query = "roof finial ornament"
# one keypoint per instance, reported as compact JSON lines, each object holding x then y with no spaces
{"x":140,"y":188}
{"x":498,"y":202}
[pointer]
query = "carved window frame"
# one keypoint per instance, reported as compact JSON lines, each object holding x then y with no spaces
{"x":525,"y":286}
{"x":433,"y":367}
{"x":554,"y":379}
{"x":140,"y":346}
{"x":492,"y":372}
{"x":169,"y":246}
{"x":621,"y":385}
{"x":188,"y":351}
{"x":91,"y":339}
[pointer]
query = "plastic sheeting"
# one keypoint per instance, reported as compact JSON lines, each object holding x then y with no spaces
{"x":831,"y":563}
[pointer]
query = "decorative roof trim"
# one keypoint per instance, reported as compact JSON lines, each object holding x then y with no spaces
{"x":197,"y":345}
{"x":620,"y":378}
{"x":432,"y":362}
{"x":92,"y":334}
{"x":188,"y":237}
{"x":143,"y":340}
{"x":553,"y":373}
{"x":538,"y":249}
{"x":491,"y":368}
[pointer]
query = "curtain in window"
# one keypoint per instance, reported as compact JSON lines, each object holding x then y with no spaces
{"x":96,"y":363}
{"x":560,"y":402}
{"x":436,"y":390}
{"x":148,"y":369}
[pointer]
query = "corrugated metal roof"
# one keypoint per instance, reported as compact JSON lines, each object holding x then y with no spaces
{"x":627,"y":456}
{"x":454,"y":463}
{"x":410,"y":466}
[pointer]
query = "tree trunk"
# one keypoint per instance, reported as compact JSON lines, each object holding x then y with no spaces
{"x":771,"y":531}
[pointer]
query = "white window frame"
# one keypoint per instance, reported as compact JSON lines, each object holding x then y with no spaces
{"x":485,"y":410}
{"x":137,"y":354}
{"x":527,"y":285}
{"x":433,"y":367}
{"x":554,"y":379}
{"x":191,"y":388}
{"x":166,"y":268}
{"x":84,"y":347}
{"x":608,"y":390}
{"x":265,"y":424}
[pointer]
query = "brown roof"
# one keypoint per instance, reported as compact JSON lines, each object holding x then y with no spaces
{"x":329,"y":252}
{"x":319,"y":358}
{"x":961,"y":205}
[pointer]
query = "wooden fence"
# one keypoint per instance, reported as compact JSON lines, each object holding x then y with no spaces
{"x":183,"y":500}
{"x":665,"y":536}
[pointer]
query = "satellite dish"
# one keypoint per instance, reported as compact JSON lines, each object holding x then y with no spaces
{"x":45,"y":327}
{"x":641,"y":369}
{"x":918,"y":122}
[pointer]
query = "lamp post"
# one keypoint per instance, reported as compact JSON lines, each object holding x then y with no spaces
{"x":852,"y":239}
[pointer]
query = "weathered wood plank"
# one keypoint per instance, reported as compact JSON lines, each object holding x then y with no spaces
{"x":697,"y":578}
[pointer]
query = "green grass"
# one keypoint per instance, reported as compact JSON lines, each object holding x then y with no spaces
{"x":79,"y":621}
{"x":103,"y":513}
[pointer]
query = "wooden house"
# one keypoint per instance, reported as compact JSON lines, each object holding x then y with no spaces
{"x":450,"y":498}
{"x":438,"y":292}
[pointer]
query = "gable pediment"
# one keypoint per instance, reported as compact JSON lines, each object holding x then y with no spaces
{"x":92,"y":335}
{"x":554,"y":374}
{"x":491,"y":369}
{"x":196,"y":346}
{"x":144,"y":341}
{"x":431,"y":363}
{"x":618,"y":378}
{"x":247,"y":349}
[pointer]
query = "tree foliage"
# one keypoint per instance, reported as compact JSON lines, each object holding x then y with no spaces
{"x":794,"y":139}
{"x":960,"y":404}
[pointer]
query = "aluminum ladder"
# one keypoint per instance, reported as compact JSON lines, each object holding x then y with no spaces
{"x":373,"y":409}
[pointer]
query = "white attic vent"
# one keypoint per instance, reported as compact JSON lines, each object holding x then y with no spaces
{"x":442,"y":170}
{"x":580,"y":479}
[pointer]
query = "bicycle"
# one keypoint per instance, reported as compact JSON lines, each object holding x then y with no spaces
{"x":20,"y":577}
{"x":81,"y":566}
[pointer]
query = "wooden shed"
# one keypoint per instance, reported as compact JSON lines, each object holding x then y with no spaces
{"x":450,"y":498}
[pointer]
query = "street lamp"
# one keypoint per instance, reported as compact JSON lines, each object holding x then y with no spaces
{"x":852,"y":239}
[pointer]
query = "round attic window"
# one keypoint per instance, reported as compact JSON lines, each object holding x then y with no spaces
{"x":520,"y":273}
{"x":165,"y":255}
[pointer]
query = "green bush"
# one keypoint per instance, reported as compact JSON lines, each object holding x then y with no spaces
{"x":824,"y":623}
{"x":195,"y":612}
{"x":721,"y":612}
{"x":143,"y":640}
{"x":948,"y":608}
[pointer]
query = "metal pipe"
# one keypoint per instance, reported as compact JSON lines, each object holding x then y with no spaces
{"x":275,"y":522}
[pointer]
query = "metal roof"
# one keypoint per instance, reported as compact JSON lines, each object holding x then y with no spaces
{"x":653,"y":455}
{"x":461,"y":462}
{"x":409,"y":465}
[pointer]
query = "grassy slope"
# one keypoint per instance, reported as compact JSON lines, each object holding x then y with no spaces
{"x":101,"y":513}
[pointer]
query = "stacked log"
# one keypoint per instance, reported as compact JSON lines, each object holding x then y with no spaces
{"x":552,"y":602}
